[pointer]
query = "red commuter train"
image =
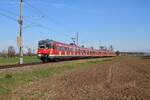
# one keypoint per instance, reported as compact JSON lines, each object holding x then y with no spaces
{"x":49,"y":50}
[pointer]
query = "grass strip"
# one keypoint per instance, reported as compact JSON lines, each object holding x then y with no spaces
{"x":15,"y":60}
{"x":11,"y":81}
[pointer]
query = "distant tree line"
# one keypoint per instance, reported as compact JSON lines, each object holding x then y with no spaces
{"x":11,"y":52}
{"x":110,"y":48}
{"x":129,"y":53}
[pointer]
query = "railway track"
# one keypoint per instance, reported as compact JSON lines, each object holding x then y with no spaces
{"x":36,"y":63}
{"x":39,"y":65}
{"x":21,"y":65}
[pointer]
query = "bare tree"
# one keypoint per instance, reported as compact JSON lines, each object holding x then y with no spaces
{"x":29,"y":53}
{"x":4,"y":53}
{"x":0,"y":54}
{"x":82,"y":46}
{"x":101,"y":47}
{"x":111,"y":48}
{"x":34,"y":52}
{"x":92,"y":47}
{"x":11,"y":51}
{"x":117,"y":53}
{"x":105,"y":48}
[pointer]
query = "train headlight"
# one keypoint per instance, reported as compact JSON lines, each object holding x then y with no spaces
{"x":39,"y":55}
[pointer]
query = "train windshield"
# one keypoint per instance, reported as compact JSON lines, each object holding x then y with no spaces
{"x":41,"y":47}
{"x":46,"y":44}
{"x":49,"y":46}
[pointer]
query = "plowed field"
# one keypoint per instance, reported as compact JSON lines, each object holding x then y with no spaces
{"x":121,"y":79}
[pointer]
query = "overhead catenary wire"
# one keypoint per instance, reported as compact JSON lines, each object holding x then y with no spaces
{"x":8,"y":16}
{"x":46,"y":16}
{"x":33,"y":7}
{"x":41,"y":12}
{"x":32,"y":23}
{"x":8,"y":11}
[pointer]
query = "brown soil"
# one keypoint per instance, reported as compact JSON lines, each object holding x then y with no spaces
{"x":123,"y":79}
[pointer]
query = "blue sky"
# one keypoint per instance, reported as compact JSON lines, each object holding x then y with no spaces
{"x":123,"y":23}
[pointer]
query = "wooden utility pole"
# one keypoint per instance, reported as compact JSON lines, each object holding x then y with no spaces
{"x":21,"y":32}
{"x":77,"y":38}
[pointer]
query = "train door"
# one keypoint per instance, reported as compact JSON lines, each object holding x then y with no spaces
{"x":65,"y":51}
{"x":70,"y":50}
{"x":60,"y":51}
{"x":73,"y":50}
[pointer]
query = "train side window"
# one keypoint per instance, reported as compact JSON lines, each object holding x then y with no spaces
{"x":58,"y":48}
{"x":80,"y":51}
{"x":74,"y":50}
{"x":47,"y":46}
{"x":71,"y":49}
{"x":83,"y":51}
{"x":62,"y":48}
{"x":88,"y":51}
{"x":77,"y":50}
{"x":66,"y":49}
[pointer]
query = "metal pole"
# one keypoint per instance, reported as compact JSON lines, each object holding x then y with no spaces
{"x":77,"y":38}
{"x":99,"y":44}
{"x":21,"y":32}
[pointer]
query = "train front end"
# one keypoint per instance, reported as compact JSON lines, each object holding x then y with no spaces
{"x":46,"y":50}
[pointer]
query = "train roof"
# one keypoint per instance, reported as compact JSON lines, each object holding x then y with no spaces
{"x":52,"y":42}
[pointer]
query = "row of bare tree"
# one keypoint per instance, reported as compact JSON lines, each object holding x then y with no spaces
{"x":111,"y":48}
{"x":11,"y":52}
